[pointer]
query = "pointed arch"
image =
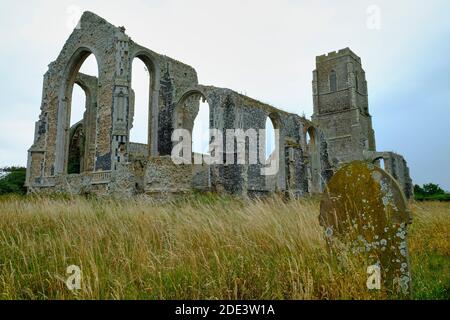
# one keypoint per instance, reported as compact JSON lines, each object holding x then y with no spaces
{"x":69,"y":78}
{"x":193,"y":112}
{"x":148,"y":103}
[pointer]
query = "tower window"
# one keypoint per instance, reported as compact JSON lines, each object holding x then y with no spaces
{"x":333,"y":81}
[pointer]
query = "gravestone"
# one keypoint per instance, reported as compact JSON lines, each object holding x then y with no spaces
{"x":364,"y":209}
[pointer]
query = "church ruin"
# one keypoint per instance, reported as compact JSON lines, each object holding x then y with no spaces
{"x":96,"y":155}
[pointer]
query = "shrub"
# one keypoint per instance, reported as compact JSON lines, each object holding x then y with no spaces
{"x":13,"y":180}
{"x":430,"y":191}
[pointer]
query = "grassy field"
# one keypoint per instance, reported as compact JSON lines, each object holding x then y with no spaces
{"x":202,"y":248}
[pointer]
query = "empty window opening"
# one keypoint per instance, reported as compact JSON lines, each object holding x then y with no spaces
{"x":78,"y":120}
{"x":270,"y":139}
{"x":89,"y":66}
{"x":140,"y":84}
{"x":200,"y":130}
{"x":382,"y":164}
{"x":310,"y":137}
{"x":78,"y":106}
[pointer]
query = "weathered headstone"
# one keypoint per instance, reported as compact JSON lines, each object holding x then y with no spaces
{"x":364,"y":208}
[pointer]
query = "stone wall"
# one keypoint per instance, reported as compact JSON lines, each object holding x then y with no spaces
{"x":163,"y":176}
{"x":396,"y":166}
{"x":231,"y":110}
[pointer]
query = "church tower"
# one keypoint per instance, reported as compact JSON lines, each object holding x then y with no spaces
{"x":341,"y":105}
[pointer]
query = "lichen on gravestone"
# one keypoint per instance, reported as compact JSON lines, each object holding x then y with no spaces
{"x":365,"y":211}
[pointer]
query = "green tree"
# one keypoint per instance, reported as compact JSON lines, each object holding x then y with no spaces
{"x":13,"y":180}
{"x":431,"y":189}
{"x":418,"y":190}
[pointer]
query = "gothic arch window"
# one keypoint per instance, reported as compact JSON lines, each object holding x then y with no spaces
{"x":273,"y":165}
{"x":193,"y":113}
{"x":380,"y":162}
{"x":200,"y":130}
{"x":73,"y":150}
{"x":310,"y":137}
{"x":141,"y":85}
{"x":333,"y":81}
{"x":144,"y":78}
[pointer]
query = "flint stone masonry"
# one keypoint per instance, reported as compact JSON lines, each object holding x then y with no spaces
{"x":97,"y":156}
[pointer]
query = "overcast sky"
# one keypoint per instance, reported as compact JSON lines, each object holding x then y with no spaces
{"x":265,"y":49}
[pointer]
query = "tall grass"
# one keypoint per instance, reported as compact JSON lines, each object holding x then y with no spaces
{"x":206,"y":247}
